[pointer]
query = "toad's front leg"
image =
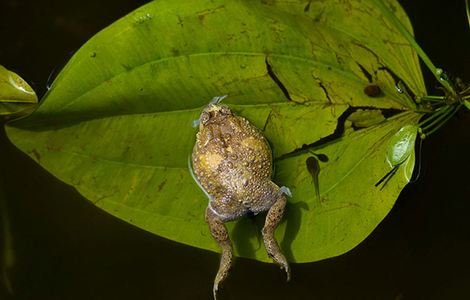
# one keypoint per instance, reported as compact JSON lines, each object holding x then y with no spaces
{"x":273,"y":218}
{"x":220,"y":234}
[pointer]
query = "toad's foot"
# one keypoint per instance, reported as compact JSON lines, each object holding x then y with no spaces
{"x":220,"y":234}
{"x":273,"y":218}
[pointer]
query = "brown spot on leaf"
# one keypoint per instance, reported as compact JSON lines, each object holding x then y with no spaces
{"x":372,"y":90}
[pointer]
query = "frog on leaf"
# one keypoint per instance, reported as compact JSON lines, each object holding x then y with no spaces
{"x":232,"y":162}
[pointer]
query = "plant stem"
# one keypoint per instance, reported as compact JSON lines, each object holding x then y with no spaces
{"x":440,"y":111}
{"x":467,"y":104}
{"x":448,"y":117}
{"x":443,"y":116}
{"x":432,"y":98}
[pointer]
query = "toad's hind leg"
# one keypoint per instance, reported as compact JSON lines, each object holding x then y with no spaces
{"x":220,"y":234}
{"x":273,"y":218}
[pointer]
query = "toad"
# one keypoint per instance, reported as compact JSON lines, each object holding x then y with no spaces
{"x":232,"y":161}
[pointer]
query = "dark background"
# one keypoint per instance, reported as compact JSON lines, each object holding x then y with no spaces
{"x":68,"y":249}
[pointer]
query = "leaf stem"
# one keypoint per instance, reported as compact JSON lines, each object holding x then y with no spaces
{"x":443,"y":116}
{"x":438,"y":113}
{"x":431,"y":98}
{"x":467,"y":104}
{"x":448,"y":116}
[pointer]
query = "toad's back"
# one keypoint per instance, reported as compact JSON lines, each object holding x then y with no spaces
{"x":229,"y":154}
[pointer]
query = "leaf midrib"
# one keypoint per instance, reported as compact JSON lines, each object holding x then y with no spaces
{"x":339,"y":71}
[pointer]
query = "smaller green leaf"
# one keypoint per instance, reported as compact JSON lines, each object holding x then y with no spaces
{"x":17,"y":98}
{"x":401,"y":145}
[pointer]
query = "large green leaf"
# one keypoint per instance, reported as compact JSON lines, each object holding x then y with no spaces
{"x":116,"y":123}
{"x":17,"y":98}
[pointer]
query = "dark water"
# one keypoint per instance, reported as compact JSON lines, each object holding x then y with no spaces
{"x":68,"y":249}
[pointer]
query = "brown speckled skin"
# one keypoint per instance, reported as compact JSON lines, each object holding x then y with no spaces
{"x":233,"y":162}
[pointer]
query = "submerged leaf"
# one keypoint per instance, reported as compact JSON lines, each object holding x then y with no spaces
{"x":116,"y":123}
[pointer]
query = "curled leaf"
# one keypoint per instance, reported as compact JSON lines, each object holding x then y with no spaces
{"x":17,"y":98}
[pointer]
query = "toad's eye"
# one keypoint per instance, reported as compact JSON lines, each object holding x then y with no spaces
{"x":205,"y":116}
